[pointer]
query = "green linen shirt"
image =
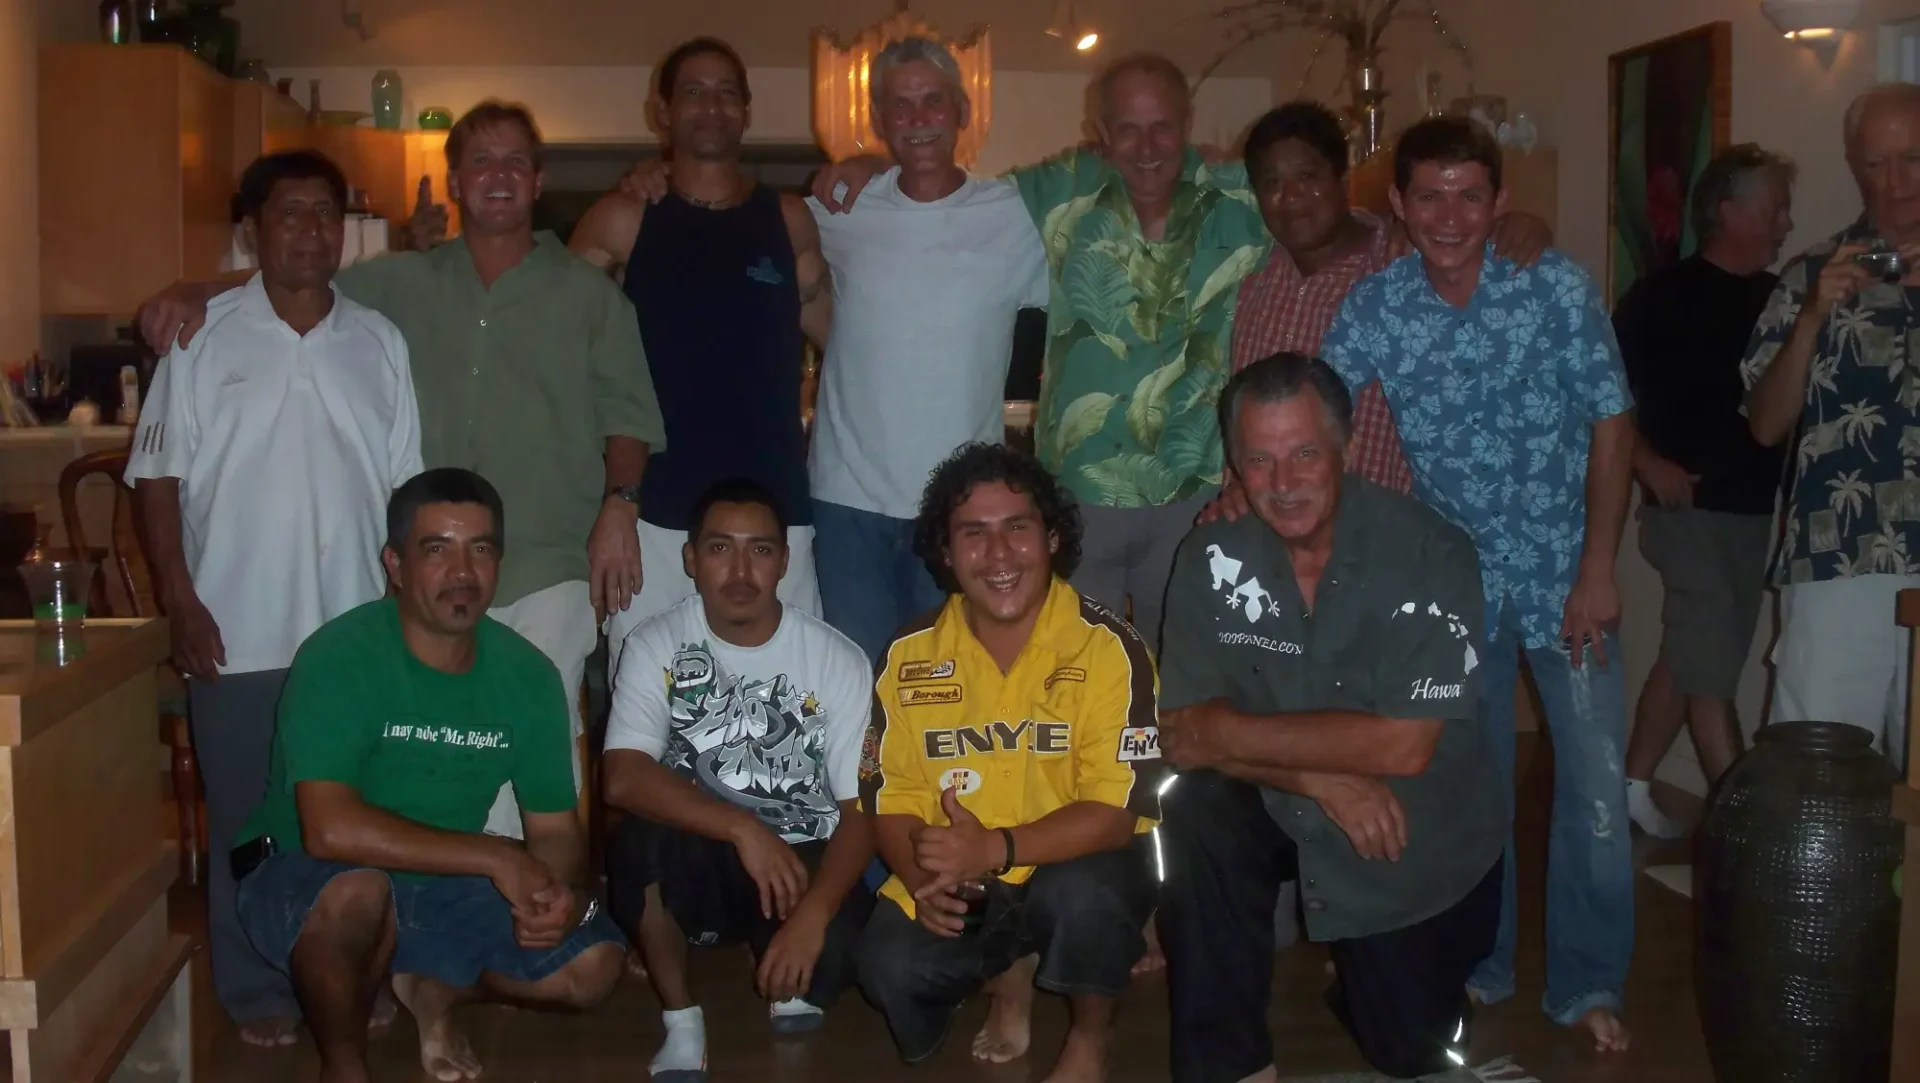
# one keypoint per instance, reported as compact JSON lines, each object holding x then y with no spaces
{"x":521,"y":383}
{"x":1394,"y":629}
{"x":1138,"y":332}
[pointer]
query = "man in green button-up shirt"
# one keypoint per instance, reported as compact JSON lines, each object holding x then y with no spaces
{"x":1318,"y":697}
{"x":529,"y":369}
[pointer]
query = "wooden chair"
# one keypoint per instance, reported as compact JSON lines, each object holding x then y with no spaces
{"x":1906,"y":809}
{"x":122,"y":587}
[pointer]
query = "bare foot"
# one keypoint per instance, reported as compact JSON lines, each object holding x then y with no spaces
{"x":1154,"y":960}
{"x":1610,"y":1035}
{"x":281,"y":1030}
{"x":1008,"y":1028}
{"x":385,"y":1008}
{"x":444,"y":1050}
{"x":1082,"y":1060}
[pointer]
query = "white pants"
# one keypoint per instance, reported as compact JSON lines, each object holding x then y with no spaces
{"x":664,"y":583}
{"x":1841,"y":658}
{"x":559,"y":621}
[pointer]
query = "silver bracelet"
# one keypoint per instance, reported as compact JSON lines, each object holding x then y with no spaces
{"x":593,"y":907}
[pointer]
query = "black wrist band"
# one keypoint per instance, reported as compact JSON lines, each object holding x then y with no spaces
{"x":1006,"y":833}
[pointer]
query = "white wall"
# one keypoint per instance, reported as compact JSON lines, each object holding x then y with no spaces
{"x":1034,"y":113}
{"x":1784,"y":97}
{"x":19,"y":182}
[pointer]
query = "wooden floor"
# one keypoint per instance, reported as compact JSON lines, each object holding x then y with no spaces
{"x":616,"y":1041}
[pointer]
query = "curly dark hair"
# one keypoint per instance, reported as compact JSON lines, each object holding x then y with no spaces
{"x":975,"y":464}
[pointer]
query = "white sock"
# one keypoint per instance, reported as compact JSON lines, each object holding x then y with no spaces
{"x":1641,"y":808}
{"x":685,"y":1049}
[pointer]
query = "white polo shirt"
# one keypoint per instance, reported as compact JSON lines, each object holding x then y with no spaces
{"x":924,"y":298}
{"x":286,"y":448}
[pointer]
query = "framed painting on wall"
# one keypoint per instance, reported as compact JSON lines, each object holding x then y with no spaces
{"x":1670,"y":108}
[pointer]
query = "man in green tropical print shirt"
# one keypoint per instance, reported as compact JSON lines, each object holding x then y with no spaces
{"x":1836,"y":359}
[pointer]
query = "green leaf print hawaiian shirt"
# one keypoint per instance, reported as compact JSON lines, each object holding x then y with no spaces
{"x":1138,"y":332}
{"x":1853,"y":506}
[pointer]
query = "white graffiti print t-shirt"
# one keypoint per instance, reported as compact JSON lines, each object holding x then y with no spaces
{"x":775,"y":729}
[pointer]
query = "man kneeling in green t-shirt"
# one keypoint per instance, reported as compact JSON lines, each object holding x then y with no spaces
{"x":400,"y":721}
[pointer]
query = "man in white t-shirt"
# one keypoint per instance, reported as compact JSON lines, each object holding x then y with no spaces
{"x":929,"y":270}
{"x":734,"y":745}
{"x":262,"y":464}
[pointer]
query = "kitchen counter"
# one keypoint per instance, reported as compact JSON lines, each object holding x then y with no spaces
{"x":86,"y":958}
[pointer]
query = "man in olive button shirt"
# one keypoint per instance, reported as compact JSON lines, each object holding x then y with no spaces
{"x":1319,"y":693}
{"x":529,"y":370}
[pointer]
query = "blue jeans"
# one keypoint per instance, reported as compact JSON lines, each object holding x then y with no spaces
{"x":449,"y":928}
{"x":1589,"y":848}
{"x":871,"y":584}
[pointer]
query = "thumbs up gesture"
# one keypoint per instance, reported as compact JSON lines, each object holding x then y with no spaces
{"x":963,"y":850}
{"x":428,"y":226}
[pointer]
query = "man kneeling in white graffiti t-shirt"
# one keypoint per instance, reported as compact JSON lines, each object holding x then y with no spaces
{"x":735,"y":742}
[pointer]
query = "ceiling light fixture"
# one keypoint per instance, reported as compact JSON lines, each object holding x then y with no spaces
{"x":1067,"y":28}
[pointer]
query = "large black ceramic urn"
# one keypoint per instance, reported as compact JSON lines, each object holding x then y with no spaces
{"x":1797,"y":916}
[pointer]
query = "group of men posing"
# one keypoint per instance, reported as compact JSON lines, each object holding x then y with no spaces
{"x":902,"y":639}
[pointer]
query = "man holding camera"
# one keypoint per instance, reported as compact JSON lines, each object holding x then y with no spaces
{"x":1832,"y":359}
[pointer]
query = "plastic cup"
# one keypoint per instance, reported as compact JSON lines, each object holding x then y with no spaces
{"x":57,"y":590}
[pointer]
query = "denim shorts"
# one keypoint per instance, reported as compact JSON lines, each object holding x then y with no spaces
{"x":450,"y":928}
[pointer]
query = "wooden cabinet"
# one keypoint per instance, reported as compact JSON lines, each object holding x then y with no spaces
{"x":136,"y":171}
{"x":264,"y":121}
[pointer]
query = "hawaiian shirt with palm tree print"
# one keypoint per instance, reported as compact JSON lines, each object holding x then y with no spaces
{"x":1138,"y":332}
{"x":1854,"y":505}
{"x":1496,"y":404}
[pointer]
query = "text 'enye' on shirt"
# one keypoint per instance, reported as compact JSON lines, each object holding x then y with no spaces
{"x":1137,"y":330}
{"x":1496,"y":404}
{"x":286,"y":447}
{"x":1853,"y":507}
{"x":941,"y":282}
{"x":775,"y":729}
{"x":1073,"y":720}
{"x":1394,"y":631}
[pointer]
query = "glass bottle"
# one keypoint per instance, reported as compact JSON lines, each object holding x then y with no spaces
{"x":151,"y":15}
{"x":386,"y":98}
{"x":116,"y":22}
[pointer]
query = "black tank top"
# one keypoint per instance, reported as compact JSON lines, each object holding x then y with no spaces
{"x":720,"y":315}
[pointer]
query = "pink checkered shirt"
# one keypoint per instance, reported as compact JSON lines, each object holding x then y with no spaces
{"x":1281,"y":309}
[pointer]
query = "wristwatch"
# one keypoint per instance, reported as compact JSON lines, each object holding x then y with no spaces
{"x":628,"y":493}
{"x":593,"y":907}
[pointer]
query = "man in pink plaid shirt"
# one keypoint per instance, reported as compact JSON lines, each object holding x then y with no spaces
{"x":1297,"y":164}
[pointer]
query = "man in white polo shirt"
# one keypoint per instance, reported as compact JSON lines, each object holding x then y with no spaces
{"x":264,"y":457}
{"x":929,"y":270}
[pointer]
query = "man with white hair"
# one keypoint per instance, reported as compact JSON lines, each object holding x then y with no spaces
{"x":929,"y":274}
{"x":1832,"y":358}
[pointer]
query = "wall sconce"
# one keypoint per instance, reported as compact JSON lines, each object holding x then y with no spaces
{"x":1067,"y":28}
{"x":1816,"y":24}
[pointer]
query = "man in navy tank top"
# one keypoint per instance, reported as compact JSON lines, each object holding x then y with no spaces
{"x":729,"y":284}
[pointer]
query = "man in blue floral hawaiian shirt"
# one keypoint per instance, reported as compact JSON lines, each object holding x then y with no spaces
{"x":1836,"y":356}
{"x":1512,"y":405}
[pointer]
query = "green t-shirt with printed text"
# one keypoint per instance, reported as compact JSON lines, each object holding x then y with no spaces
{"x":431,"y":746}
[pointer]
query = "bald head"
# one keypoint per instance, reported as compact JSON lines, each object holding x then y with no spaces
{"x":1882,"y":131}
{"x":1143,"y":113}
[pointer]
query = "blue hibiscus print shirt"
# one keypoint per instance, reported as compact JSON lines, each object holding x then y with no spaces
{"x":1496,"y":404}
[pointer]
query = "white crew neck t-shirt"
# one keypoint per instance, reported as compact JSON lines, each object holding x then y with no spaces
{"x":924,"y":299}
{"x":287,"y":448}
{"x":776,"y":729}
